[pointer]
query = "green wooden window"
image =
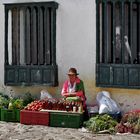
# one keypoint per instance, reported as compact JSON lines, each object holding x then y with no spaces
{"x":118,"y":43}
{"x":30,"y":44}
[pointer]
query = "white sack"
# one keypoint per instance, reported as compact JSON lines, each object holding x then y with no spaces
{"x":106,"y":104}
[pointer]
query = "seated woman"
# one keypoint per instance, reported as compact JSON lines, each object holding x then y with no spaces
{"x":74,"y":87}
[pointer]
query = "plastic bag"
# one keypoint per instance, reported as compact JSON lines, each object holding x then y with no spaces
{"x":106,"y":104}
{"x":45,"y":94}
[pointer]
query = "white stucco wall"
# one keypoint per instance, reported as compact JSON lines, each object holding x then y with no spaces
{"x":75,"y":37}
{"x":75,"y":47}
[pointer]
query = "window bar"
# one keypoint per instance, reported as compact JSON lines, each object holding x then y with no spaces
{"x":44,"y":40}
{"x":31,"y":34}
{"x":109,"y":33}
{"x":18,"y":37}
{"x":131,"y":28}
{"x":114,"y":35}
{"x":98,"y":10}
{"x":40,"y":35}
{"x":10,"y":37}
{"x":44,"y":36}
{"x":28,"y":35}
{"x":6,"y":36}
{"x":47,"y":35}
{"x":53,"y":36}
{"x":15,"y":36}
{"x":122,"y":31}
{"x":105,"y":33}
{"x":102,"y":34}
{"x":48,"y":47}
{"x":34,"y":35}
{"x":22,"y":36}
{"x":138,"y":34}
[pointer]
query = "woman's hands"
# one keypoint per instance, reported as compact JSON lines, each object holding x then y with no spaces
{"x":69,"y":94}
{"x":72,"y":94}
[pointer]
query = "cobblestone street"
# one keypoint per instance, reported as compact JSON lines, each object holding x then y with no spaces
{"x":17,"y":131}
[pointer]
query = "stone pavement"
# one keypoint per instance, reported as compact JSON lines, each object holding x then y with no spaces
{"x":17,"y":131}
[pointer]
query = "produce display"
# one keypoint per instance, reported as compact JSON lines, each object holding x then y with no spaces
{"x":15,"y":104}
{"x":130,"y":122}
{"x":7,"y":102}
{"x":35,"y":106}
{"x":54,"y":104}
{"x":101,"y":123}
{"x":4,"y":101}
{"x":27,"y":98}
{"x":73,"y":98}
{"x":10,"y":103}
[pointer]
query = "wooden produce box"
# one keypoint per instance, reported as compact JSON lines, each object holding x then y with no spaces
{"x":66,"y":119}
{"x":34,"y":117}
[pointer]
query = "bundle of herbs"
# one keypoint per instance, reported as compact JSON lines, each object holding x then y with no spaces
{"x":11,"y":102}
{"x":4,"y":101}
{"x":101,"y":124}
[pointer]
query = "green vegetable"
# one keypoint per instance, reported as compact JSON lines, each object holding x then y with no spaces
{"x":27,"y":98}
{"x":73,"y":98}
{"x":18,"y":104}
{"x":4,"y":102}
{"x":100,"y":123}
{"x":10,"y":106}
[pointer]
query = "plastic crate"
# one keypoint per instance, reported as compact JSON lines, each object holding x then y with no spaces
{"x":10,"y":115}
{"x":69,"y":120}
{"x":0,"y":114}
{"x":18,"y":115}
{"x":34,"y":117}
